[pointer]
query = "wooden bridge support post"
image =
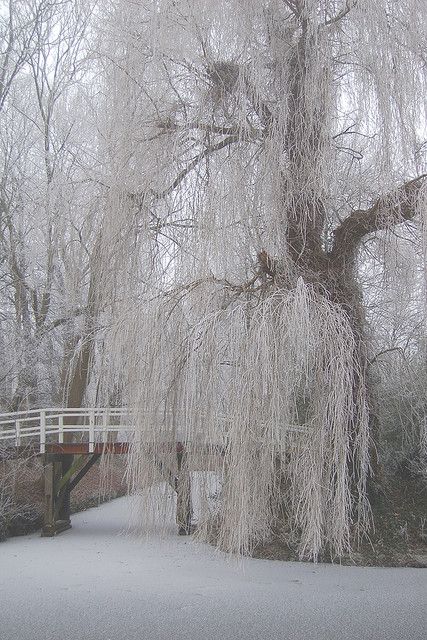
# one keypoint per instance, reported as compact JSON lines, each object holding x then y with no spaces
{"x":50,"y":471}
{"x":57,"y":500}
{"x":63,"y":472}
{"x":64,"y":506}
{"x":184,"y":511}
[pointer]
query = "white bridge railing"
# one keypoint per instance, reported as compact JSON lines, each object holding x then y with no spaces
{"x":91,"y":426}
{"x":41,"y":426}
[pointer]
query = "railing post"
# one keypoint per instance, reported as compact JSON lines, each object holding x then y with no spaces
{"x":104,"y":424}
{"x":42,"y":431}
{"x":91,"y":430}
{"x":61,"y":429}
{"x":18,"y":433}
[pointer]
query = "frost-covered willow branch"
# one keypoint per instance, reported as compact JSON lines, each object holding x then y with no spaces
{"x":264,"y":393}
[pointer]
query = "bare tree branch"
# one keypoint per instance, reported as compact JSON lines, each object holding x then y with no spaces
{"x":389,"y":210}
{"x":349,"y":5}
{"x":294,"y":6}
{"x":159,"y":195}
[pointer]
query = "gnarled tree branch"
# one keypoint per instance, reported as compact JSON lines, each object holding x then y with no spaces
{"x":388,"y":211}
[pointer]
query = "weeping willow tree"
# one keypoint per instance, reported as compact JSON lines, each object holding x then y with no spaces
{"x":261,"y":159}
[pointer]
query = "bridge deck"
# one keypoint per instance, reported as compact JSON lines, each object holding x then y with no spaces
{"x":66,"y":448}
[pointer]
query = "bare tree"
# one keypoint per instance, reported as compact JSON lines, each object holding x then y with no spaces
{"x":39,"y":189}
{"x":259,"y":148}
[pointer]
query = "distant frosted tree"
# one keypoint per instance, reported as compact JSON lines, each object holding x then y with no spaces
{"x":43,"y":213}
{"x":266,"y":174}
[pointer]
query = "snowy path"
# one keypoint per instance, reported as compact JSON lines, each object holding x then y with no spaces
{"x":91,"y":583}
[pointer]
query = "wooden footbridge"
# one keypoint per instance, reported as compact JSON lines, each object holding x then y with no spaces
{"x":71,"y":441}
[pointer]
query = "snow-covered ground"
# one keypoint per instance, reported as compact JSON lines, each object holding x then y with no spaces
{"x":95,"y":582}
